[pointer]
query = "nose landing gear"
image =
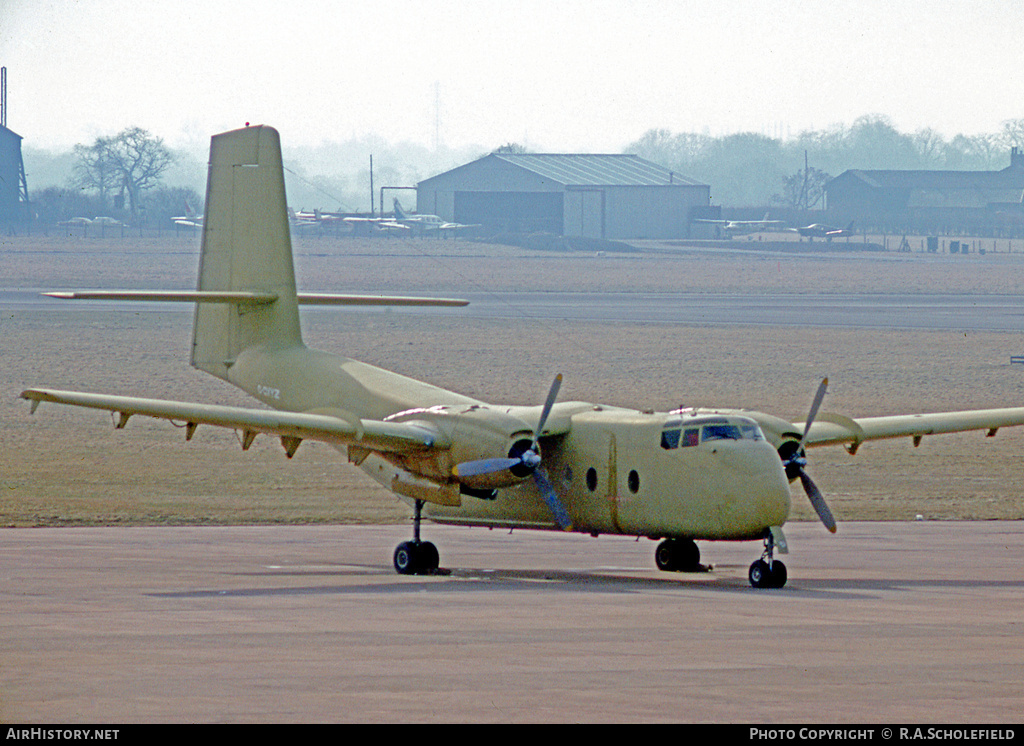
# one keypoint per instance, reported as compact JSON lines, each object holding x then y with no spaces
{"x":768,"y":572}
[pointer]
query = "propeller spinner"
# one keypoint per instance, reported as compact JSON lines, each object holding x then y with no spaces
{"x":795,"y":461}
{"x":527,"y":461}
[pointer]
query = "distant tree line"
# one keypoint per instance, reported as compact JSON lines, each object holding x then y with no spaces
{"x":749,"y":169}
{"x":122,"y":175}
{"x":118,"y":176}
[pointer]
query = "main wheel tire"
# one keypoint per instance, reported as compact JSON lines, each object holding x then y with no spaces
{"x":665,"y":556}
{"x":677,"y":555}
{"x":779,"y":574}
{"x":407,"y":558}
{"x":429,"y":560}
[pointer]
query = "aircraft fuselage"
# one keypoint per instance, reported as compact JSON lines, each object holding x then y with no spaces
{"x":689,"y":473}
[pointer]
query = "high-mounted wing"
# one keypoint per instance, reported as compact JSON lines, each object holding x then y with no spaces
{"x":833,"y":429}
{"x":291,"y":427}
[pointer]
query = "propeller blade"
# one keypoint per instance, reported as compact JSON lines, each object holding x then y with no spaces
{"x":484,"y":466}
{"x":530,"y":458}
{"x":818,"y":501}
{"x":554,"y":504}
{"x":548,"y":404}
{"x":815,"y":405}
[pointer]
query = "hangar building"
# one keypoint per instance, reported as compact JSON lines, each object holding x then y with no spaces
{"x":591,"y":196}
{"x":969,"y":202}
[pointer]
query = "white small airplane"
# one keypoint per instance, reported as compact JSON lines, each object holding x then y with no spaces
{"x":820,"y":230}
{"x":190,"y":219}
{"x":424,"y":222}
{"x":416,"y":223}
{"x":678,"y":477}
{"x":740,"y":227}
{"x":107,"y":221}
{"x":84,"y":222}
{"x":303,"y":221}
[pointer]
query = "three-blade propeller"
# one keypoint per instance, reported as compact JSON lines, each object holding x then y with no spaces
{"x":528,"y":459}
{"x":796,"y":462}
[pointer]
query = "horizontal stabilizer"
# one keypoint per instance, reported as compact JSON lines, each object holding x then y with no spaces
{"x":169,"y":296}
{"x":251,"y":298}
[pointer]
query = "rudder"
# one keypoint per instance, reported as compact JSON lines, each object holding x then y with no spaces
{"x":246,"y":247}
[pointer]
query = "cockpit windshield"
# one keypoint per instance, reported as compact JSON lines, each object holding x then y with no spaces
{"x":679,"y":434}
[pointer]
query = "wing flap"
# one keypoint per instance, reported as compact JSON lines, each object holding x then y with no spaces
{"x":375,"y":435}
{"x":834,"y":429}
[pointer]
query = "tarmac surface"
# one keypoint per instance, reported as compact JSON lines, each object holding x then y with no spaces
{"x":882,"y":623}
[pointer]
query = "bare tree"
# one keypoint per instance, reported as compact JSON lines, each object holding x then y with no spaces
{"x":510,"y":148}
{"x":803,"y":190}
{"x":930,"y":147}
{"x":131,"y":161}
{"x":1013,"y":133}
{"x":95,"y":170}
{"x":140,"y":159}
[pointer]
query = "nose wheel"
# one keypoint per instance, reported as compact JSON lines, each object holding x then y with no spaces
{"x":768,"y":572}
{"x":416,"y":557}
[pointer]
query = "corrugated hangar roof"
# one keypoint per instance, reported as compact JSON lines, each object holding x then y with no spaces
{"x":595,"y":170}
{"x":1007,"y":178}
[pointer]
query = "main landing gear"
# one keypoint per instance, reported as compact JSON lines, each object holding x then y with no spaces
{"x":768,"y":572}
{"x":678,"y":555}
{"x":416,"y":557}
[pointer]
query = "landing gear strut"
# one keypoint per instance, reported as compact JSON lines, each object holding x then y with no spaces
{"x":768,"y":572}
{"x":416,"y":557}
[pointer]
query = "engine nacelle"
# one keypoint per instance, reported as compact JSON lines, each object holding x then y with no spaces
{"x":477,"y":433}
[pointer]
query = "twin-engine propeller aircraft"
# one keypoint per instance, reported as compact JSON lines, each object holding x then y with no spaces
{"x":418,"y":224}
{"x":710,"y":474}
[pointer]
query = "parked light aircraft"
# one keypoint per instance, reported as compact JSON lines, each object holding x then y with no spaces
{"x":416,"y":223}
{"x":102,"y":221}
{"x":107,"y":221}
{"x":190,"y":219}
{"x":739,"y":227}
{"x":679,"y":476}
{"x":820,"y":230}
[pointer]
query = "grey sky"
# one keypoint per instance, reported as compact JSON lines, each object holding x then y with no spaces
{"x":570,"y":76}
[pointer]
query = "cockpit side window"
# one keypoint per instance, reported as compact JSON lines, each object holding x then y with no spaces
{"x":674,"y":437}
{"x":752,"y":431}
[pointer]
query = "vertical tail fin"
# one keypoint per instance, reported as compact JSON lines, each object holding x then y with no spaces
{"x":246,"y":246}
{"x":399,"y":212}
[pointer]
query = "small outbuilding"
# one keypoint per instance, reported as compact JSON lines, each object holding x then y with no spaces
{"x":13,"y":188}
{"x":586,"y":195}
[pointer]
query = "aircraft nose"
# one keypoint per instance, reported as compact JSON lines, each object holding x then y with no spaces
{"x":762,"y":494}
